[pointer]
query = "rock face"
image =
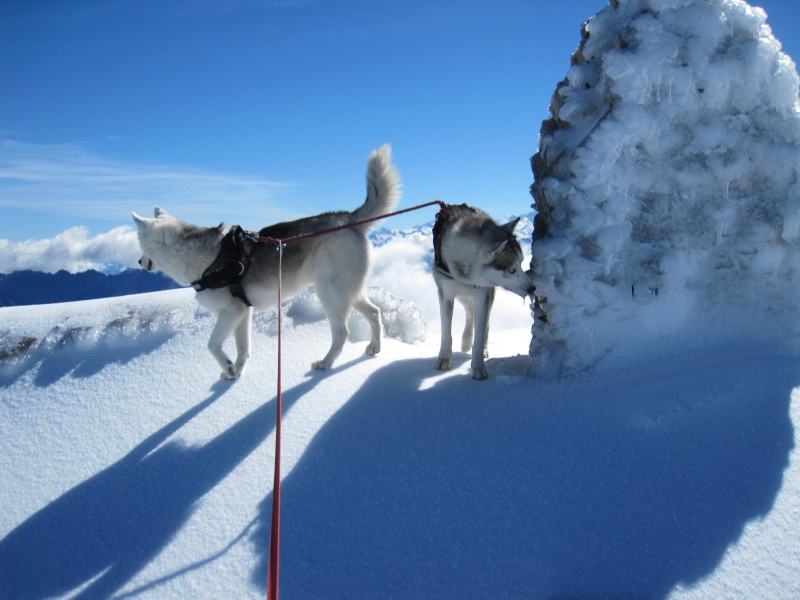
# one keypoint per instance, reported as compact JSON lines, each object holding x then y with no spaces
{"x":666,"y":185}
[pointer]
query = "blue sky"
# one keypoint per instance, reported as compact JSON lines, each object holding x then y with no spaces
{"x":255,"y":111}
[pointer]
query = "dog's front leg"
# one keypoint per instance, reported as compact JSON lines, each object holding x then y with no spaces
{"x":227,"y":320}
{"x":446,"y":317}
{"x":483,"y":300}
{"x":242,"y":335}
{"x":469,"y":323}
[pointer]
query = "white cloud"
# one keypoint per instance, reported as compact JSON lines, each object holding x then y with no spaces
{"x":73,"y":251}
{"x":67,"y":179}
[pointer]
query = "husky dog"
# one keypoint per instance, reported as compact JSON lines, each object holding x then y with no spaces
{"x":472,"y":255}
{"x":335,"y":263}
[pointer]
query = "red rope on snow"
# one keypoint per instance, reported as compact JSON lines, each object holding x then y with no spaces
{"x":275,"y":535}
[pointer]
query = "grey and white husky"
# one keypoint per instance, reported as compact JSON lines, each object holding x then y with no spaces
{"x":335,"y":263}
{"x":473,"y":255}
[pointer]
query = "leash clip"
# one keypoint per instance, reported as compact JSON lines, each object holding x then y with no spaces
{"x":249,"y":235}
{"x":279,"y":246}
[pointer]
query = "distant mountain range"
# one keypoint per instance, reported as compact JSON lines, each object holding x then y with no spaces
{"x":24,"y":288}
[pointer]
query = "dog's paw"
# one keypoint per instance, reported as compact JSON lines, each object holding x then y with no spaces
{"x":372,"y":349}
{"x":232,"y":372}
{"x":442,"y":364}
{"x":320,"y":365}
{"x":229,"y":375}
{"x":480,"y":373}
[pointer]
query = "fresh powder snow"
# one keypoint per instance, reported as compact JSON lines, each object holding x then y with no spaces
{"x":644,"y":450}
{"x":131,"y":471}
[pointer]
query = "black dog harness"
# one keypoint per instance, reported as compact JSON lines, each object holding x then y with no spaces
{"x":437,"y":246}
{"x":231,"y":264}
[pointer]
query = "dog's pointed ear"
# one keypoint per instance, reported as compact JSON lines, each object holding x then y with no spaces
{"x":141,"y":222}
{"x":492,"y":250}
{"x":509,"y":227}
{"x":160,"y":213}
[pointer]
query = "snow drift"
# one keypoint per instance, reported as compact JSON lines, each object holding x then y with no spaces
{"x":130,"y":471}
{"x":666,"y":182}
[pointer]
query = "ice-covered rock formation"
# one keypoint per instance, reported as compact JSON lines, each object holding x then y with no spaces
{"x":666,"y":185}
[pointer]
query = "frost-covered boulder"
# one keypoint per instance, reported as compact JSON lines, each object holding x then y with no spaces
{"x":666,"y":185}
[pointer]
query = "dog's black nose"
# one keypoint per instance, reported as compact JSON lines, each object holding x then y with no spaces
{"x":531,"y":289}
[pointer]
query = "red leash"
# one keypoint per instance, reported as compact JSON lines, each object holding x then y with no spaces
{"x":310,"y":234}
{"x":275,"y":531}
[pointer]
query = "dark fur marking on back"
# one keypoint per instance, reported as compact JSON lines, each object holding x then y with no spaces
{"x":306,"y":225}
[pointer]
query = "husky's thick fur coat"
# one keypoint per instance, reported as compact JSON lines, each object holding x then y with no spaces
{"x":335,"y":263}
{"x":473,"y":255}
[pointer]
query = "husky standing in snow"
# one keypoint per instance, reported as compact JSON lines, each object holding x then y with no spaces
{"x":472,"y":255}
{"x":335,"y":263}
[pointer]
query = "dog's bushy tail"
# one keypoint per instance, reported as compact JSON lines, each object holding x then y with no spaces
{"x":383,"y":187}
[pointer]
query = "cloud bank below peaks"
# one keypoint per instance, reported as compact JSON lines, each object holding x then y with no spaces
{"x":73,"y":251}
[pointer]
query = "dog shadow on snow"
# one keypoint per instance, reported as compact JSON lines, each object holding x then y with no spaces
{"x":468,"y":489}
{"x":102,"y":532}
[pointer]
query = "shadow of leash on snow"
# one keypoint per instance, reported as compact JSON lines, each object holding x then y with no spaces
{"x":102,"y":532}
{"x":576,"y":491}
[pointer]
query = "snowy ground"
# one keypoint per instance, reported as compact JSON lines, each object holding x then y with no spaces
{"x":130,"y":471}
{"x":665,"y":469}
